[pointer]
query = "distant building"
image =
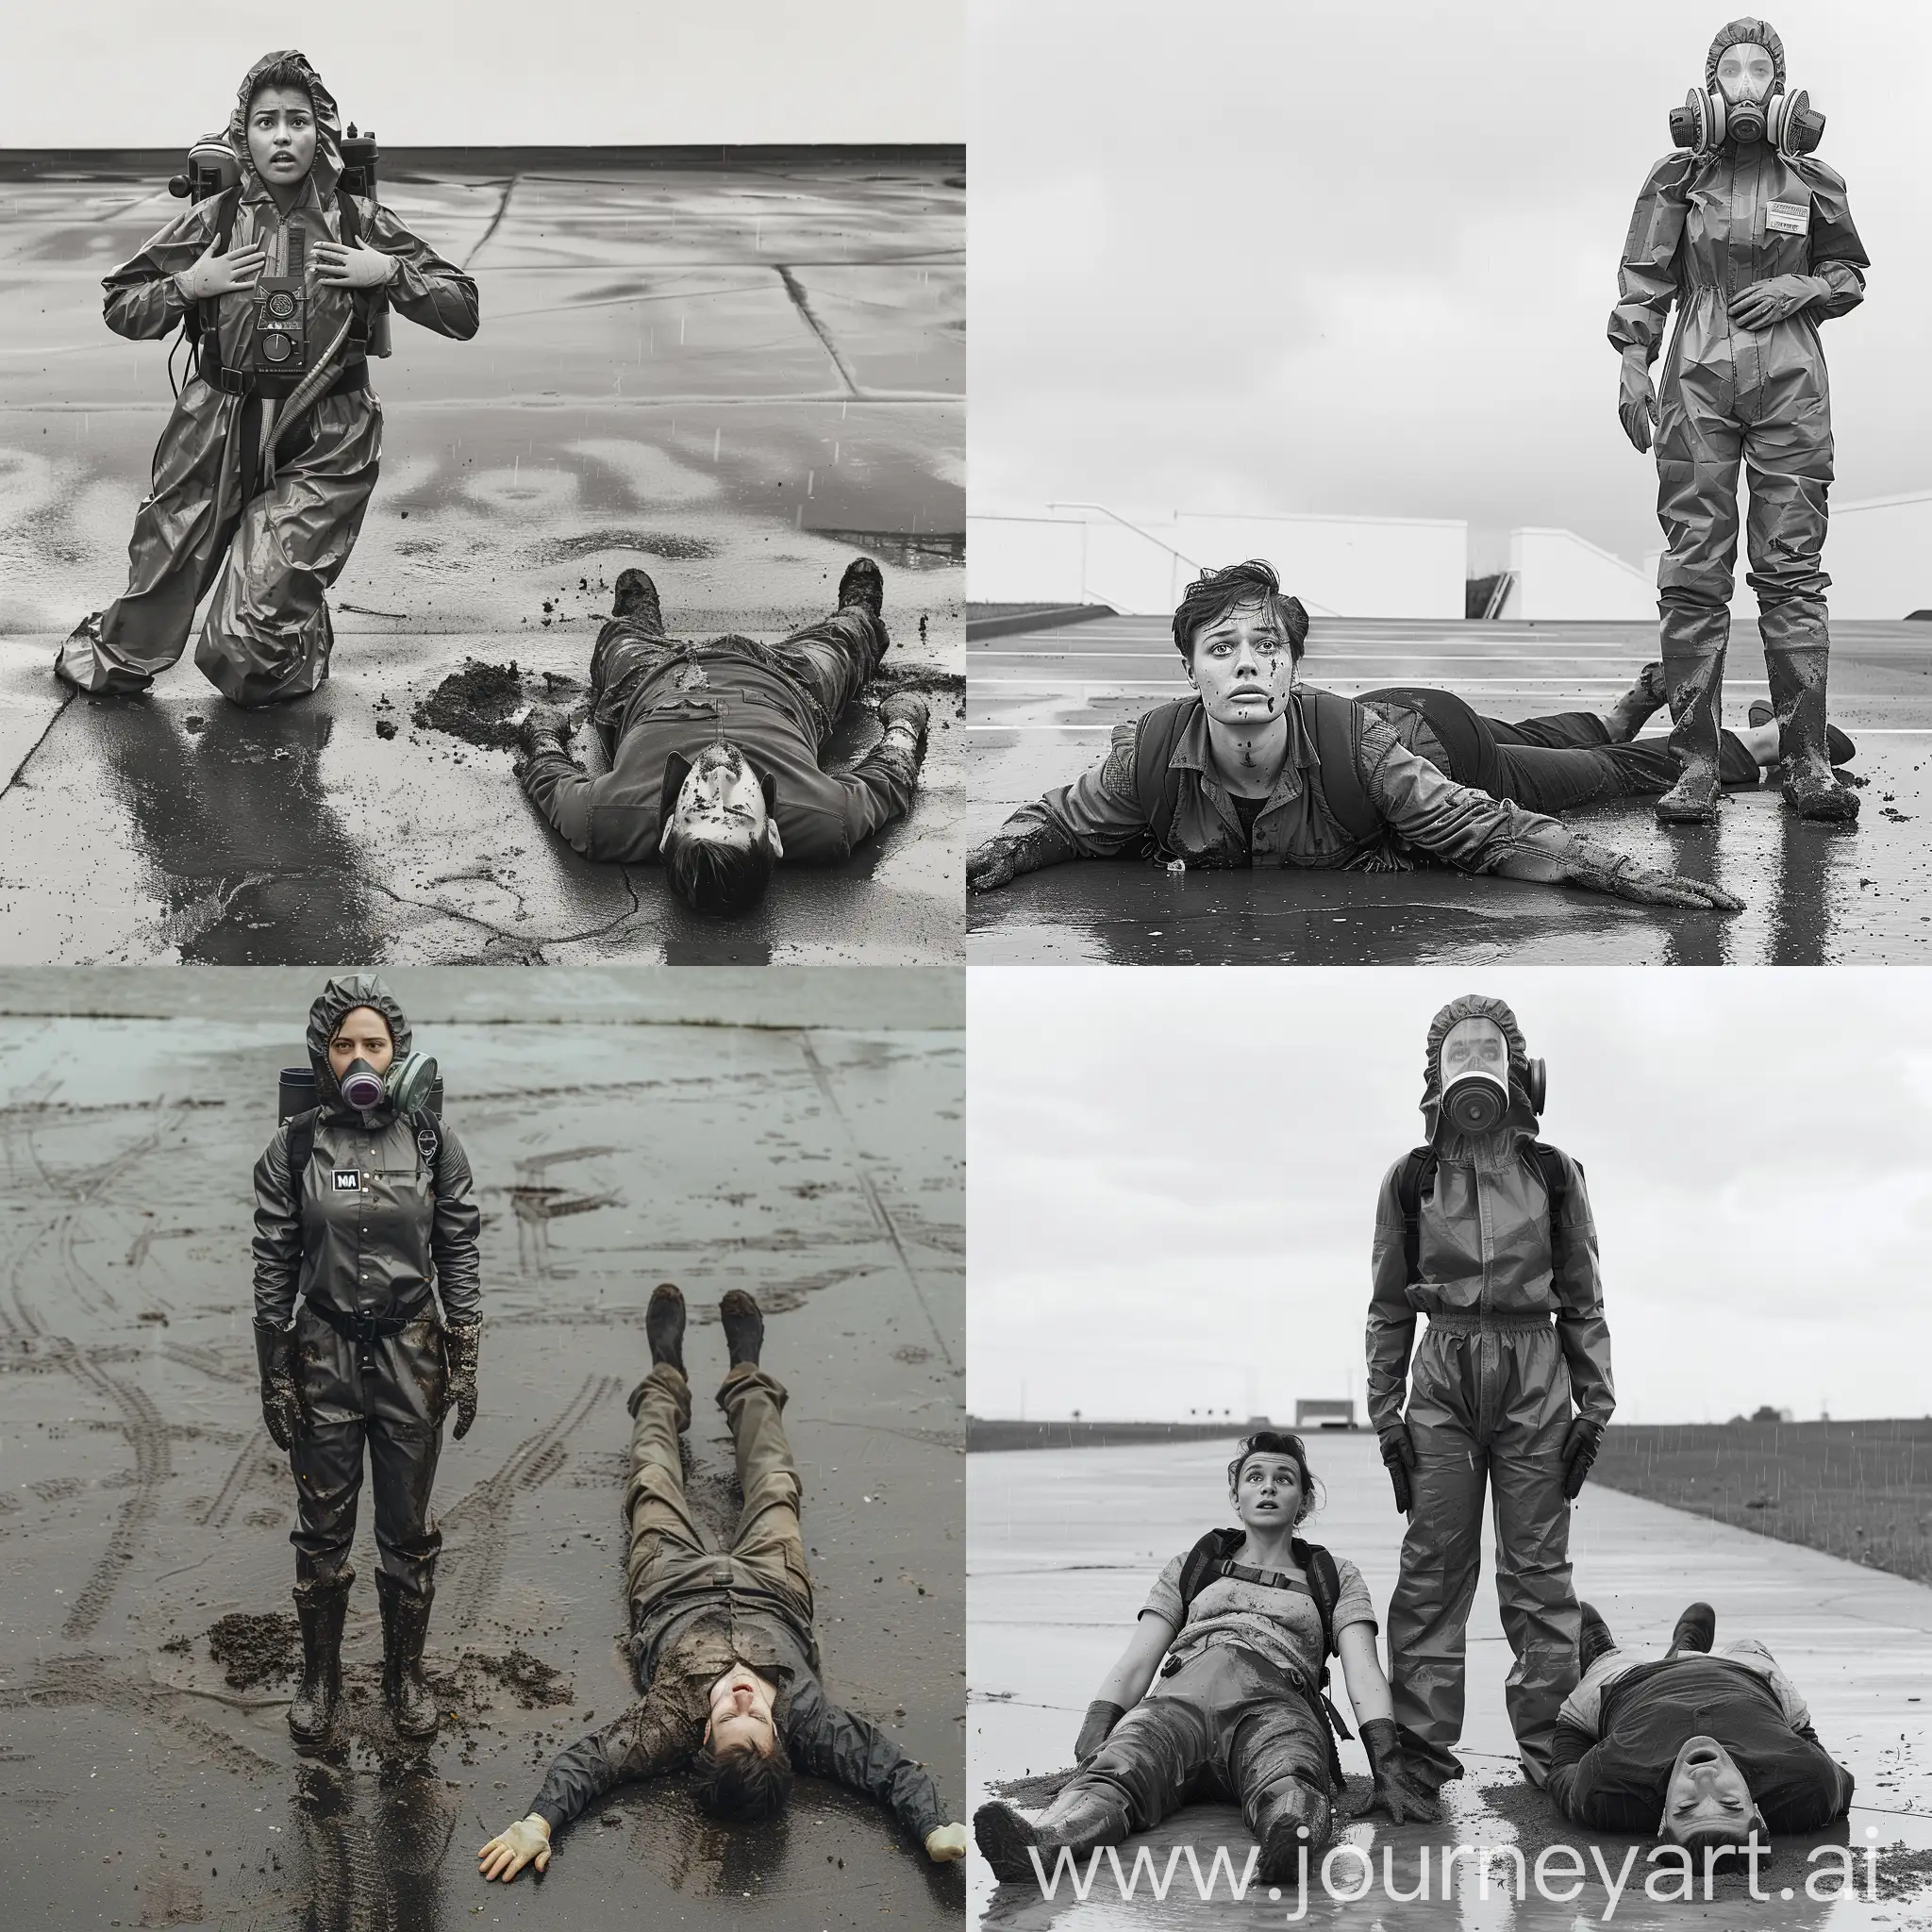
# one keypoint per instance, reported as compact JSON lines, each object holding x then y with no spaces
{"x":1324,"y":1415}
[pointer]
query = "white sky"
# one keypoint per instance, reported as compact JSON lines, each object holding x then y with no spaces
{"x":442,"y":73}
{"x":1175,"y":1171}
{"x":1358,"y":256}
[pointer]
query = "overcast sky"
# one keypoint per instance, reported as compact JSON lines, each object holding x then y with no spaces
{"x":1358,"y":256}
{"x":439,"y":73}
{"x":1175,"y":1175}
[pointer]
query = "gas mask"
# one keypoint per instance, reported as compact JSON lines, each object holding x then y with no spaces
{"x":404,"y":1087}
{"x":1476,"y":1079}
{"x":1786,"y":122}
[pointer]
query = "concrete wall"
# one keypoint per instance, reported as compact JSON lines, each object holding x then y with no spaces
{"x":1339,"y":566}
{"x":1561,"y":576}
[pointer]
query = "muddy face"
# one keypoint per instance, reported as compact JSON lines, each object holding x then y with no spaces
{"x":281,"y":134}
{"x":722,"y":800}
{"x":1242,"y":667}
{"x":1269,"y":1494}
{"x":364,"y":1035}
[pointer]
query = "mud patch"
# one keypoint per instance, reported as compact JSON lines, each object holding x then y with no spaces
{"x":663,"y":543}
{"x":254,"y":1647}
{"x":475,"y":703}
{"x":464,"y":1691}
{"x":919,"y":677}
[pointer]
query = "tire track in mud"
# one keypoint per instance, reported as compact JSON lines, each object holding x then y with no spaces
{"x":97,"y":1681}
{"x":152,"y":1441}
{"x":218,"y":1512}
{"x":483,"y":1515}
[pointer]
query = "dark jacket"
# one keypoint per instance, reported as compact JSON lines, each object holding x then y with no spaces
{"x":663,"y":1731}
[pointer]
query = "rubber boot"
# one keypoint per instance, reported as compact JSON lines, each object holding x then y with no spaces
{"x":1797,"y":673}
{"x":863,"y":584}
{"x":1593,"y":1638}
{"x":1696,"y":1630}
{"x":1083,"y":1816}
{"x":744,"y":1328}
{"x":404,"y":1624}
{"x":664,"y":1326}
{"x":636,"y":597}
{"x":1299,"y":1808}
{"x":320,"y":1608}
{"x":1693,"y":658}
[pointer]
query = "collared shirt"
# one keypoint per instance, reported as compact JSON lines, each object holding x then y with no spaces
{"x":143,"y":303}
{"x":662,"y":1731}
{"x":370,"y":1226}
{"x":1619,"y":1733}
{"x":1100,"y":814}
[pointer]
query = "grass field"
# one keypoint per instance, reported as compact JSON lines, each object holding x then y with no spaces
{"x":1861,"y":1490}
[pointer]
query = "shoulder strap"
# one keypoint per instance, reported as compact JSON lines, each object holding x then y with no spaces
{"x":1337,"y":725}
{"x":207,"y":333}
{"x":349,"y":221}
{"x":1550,"y":1164}
{"x":1325,"y":1586}
{"x":301,"y":1149}
{"x":1418,"y":1170}
{"x":1197,"y":1571}
{"x":428,"y":1142}
{"x":1156,"y":787}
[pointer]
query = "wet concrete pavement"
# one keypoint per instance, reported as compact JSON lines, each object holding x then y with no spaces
{"x":817,"y":1165}
{"x":1041,"y":705}
{"x":1063,"y":1544}
{"x":737,"y":379}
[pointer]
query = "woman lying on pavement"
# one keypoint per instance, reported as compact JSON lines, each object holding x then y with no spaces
{"x":1255,"y":770}
{"x":1247,"y":1621}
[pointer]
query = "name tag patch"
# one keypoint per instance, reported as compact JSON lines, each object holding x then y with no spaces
{"x":1788,"y":217}
{"x":348,"y":1180}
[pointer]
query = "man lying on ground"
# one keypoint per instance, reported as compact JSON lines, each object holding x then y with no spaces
{"x":722,"y":1642}
{"x":713,"y":747}
{"x":1701,"y":1749}
{"x":1255,"y":770}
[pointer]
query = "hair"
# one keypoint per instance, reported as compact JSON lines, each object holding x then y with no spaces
{"x":335,"y":1032}
{"x":287,"y":71}
{"x":1277,"y":1443}
{"x":713,"y":877}
{"x":1215,"y":593}
{"x":741,"y":1782}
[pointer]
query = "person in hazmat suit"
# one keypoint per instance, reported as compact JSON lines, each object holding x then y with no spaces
{"x":271,"y":453}
{"x":1487,"y":1232}
{"x":363,"y":1208}
{"x":1751,"y":237}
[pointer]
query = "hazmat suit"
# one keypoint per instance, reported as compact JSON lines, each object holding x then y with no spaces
{"x":1510,"y":1391}
{"x":1749,"y":226}
{"x":377,"y":1227}
{"x":253,"y":495}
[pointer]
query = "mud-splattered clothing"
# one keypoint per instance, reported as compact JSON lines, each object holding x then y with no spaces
{"x":1282,"y":1625}
{"x":1102,"y":815}
{"x":697,"y":1612}
{"x":269,"y":555}
{"x":656,"y":698}
{"x":1620,"y":1731}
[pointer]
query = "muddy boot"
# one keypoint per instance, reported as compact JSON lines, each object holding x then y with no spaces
{"x":1812,"y":793}
{"x":320,"y":1608}
{"x":1796,"y":660}
{"x":1593,"y":1638}
{"x":636,"y":598}
{"x":1639,"y":704}
{"x":1299,"y":1809}
{"x":863,"y":584}
{"x":744,"y":1328}
{"x":404,"y":1624}
{"x":1696,"y":1630}
{"x":1693,"y":639}
{"x":1692,"y":800}
{"x":664,"y":1326}
{"x":1083,"y":1815}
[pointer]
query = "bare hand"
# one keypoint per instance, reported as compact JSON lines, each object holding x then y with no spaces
{"x":945,"y":1844}
{"x":1597,"y":869}
{"x":511,"y":1850}
{"x":1636,"y":404}
{"x":1764,"y":303}
{"x":338,"y":266}
{"x":991,"y":865}
{"x":222,"y":274}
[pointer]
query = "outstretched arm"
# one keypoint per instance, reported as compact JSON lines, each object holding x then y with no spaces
{"x":647,"y":1741}
{"x":827,"y":1742}
{"x":1097,"y":816}
{"x":608,"y":818}
{"x":880,"y":787}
